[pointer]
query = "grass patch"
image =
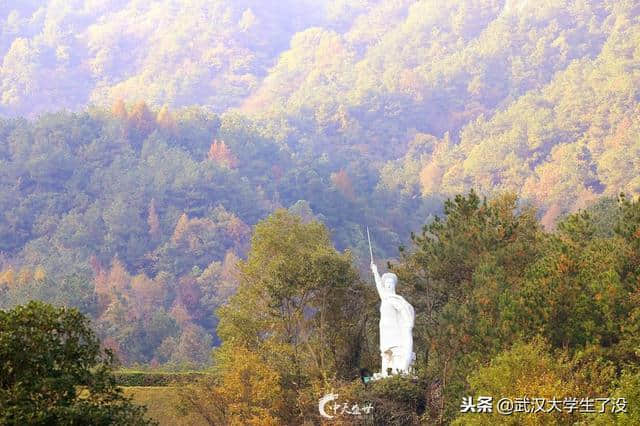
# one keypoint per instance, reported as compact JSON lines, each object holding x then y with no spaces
{"x":161,"y":403}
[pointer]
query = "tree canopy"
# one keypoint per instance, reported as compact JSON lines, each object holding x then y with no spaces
{"x":54,"y":371}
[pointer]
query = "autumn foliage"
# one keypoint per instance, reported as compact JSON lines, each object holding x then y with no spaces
{"x":220,"y":153}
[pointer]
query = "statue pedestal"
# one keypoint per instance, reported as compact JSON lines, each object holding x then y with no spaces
{"x":380,"y":376}
{"x":403,"y":373}
{"x":405,"y":370}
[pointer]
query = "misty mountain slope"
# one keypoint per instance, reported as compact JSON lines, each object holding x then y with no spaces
{"x":66,"y":54}
{"x":488,"y":94}
{"x":429,"y":68}
{"x":560,"y":146}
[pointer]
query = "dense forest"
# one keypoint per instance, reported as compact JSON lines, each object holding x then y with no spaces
{"x":155,"y":155}
{"x":503,"y":309}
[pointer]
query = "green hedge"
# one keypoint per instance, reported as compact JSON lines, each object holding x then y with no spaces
{"x":144,"y":378}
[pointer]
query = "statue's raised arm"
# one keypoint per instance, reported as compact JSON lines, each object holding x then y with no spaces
{"x":378,"y":280}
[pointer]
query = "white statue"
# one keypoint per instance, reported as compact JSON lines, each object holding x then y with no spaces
{"x":396,"y":325}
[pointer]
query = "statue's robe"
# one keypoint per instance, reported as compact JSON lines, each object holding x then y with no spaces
{"x":396,"y":322}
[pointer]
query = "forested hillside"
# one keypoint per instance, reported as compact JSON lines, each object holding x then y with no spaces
{"x":138,"y":217}
{"x":141,"y":141}
{"x":538,"y":97}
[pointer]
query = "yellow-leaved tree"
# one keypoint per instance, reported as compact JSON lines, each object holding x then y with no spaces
{"x":297,"y":319}
{"x":526,"y":370}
